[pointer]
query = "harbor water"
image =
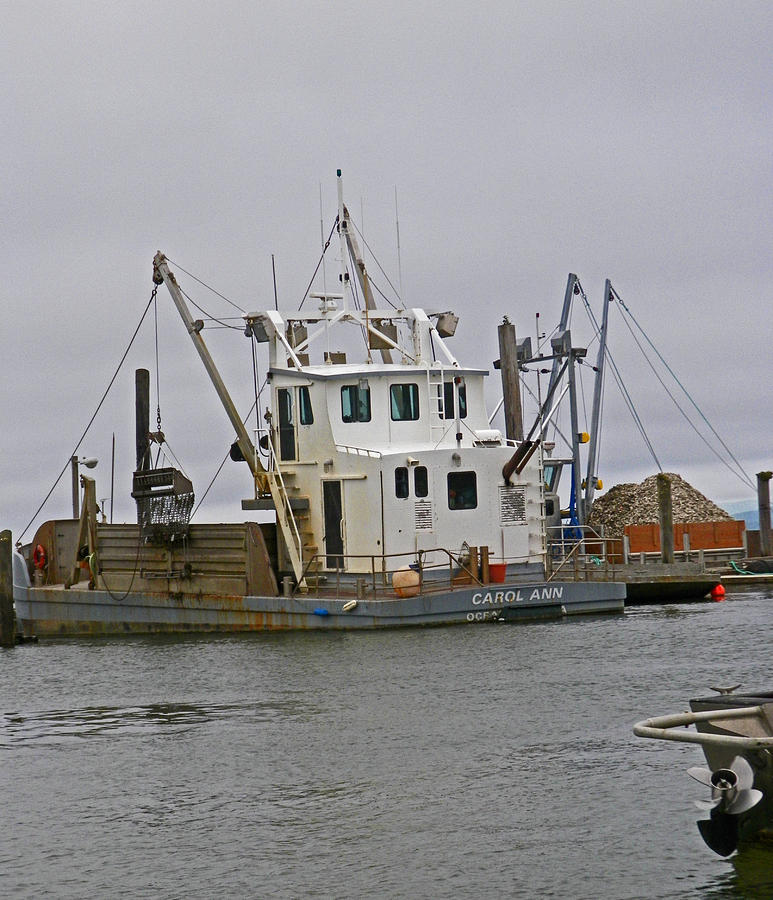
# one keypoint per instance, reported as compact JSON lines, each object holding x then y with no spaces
{"x":487,"y":760}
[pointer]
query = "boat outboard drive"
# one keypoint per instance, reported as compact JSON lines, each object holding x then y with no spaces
{"x":731,"y":794}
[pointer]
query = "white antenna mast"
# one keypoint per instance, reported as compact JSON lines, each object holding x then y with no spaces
{"x":322,"y":239}
{"x":399,"y":262}
{"x":342,"y":225}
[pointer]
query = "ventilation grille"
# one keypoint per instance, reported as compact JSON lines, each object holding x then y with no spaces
{"x":422,"y":515}
{"x":512,"y":504}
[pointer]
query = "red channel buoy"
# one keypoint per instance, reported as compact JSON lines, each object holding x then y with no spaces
{"x":718,"y":593}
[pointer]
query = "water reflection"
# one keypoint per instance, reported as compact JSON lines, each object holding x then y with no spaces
{"x":458,"y":762}
{"x":750,"y":878}
{"x":61,"y":725}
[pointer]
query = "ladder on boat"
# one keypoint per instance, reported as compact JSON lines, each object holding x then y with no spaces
{"x":437,"y":402}
{"x":294,"y":522}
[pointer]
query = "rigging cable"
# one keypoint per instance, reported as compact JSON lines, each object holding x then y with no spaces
{"x":207,"y":286}
{"x":134,"y":573}
{"x":381,"y":293}
{"x":381,"y":269}
{"x":355,"y":283}
{"x":582,"y":394}
{"x":358,"y":303}
{"x":627,"y":399}
{"x":741,"y":474}
{"x":600,"y":433}
{"x":170,"y":455}
{"x":632,"y":408}
{"x":256,"y":407}
{"x":158,"y":379}
{"x":319,"y":263}
{"x":210,"y":317}
{"x":225,"y":458}
{"x":256,"y":404}
{"x":556,"y":429}
{"x":91,"y":420}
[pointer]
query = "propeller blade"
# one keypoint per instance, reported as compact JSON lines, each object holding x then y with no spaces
{"x":744,"y":772}
{"x":707,"y":805}
{"x":700,"y":774}
{"x":744,"y":800}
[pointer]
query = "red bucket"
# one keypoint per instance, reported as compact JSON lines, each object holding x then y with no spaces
{"x":497,"y":572}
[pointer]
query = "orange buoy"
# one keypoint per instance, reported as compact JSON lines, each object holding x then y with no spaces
{"x":406,"y":582}
{"x":39,"y":559}
{"x":718,"y":593}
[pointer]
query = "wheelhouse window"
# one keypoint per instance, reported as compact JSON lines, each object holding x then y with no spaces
{"x":355,"y":403}
{"x":401,"y":482}
{"x":448,"y":401}
{"x":304,"y":407}
{"x":420,"y":481}
{"x":404,"y":402}
{"x":462,"y":490}
{"x":284,"y":398}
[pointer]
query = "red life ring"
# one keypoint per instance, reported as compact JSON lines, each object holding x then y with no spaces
{"x":39,"y":558}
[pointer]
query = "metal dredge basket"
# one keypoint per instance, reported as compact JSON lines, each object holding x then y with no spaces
{"x":164,"y":503}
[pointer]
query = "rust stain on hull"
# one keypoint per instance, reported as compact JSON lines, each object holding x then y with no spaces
{"x":56,"y":613}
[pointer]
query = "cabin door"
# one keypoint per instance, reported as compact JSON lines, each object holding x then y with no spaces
{"x":284,"y":398}
{"x":332,"y":506}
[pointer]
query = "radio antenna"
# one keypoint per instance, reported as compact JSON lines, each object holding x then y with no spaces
{"x":399,"y":261}
{"x":322,"y":238}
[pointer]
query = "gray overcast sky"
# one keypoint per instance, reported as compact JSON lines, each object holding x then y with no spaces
{"x":525,"y":140}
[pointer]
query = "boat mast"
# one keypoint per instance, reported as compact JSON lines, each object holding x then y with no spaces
{"x":595,"y":429}
{"x":342,"y":227}
{"x":576,"y":472}
{"x":362,"y":272}
{"x":572,"y":288}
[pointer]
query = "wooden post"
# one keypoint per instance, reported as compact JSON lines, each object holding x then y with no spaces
{"x":763,"y":504}
{"x":75,"y":486}
{"x":474,"y":562}
{"x":485,"y":574}
{"x":87,"y":528}
{"x":142,"y":417}
{"x":7,"y":618}
{"x":142,"y":425}
{"x":666,"y":519}
{"x":511,"y":387}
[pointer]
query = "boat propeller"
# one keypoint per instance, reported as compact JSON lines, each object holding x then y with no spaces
{"x":731,"y":794}
{"x":731,"y":789}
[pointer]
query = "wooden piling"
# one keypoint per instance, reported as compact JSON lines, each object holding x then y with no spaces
{"x":763,"y":505}
{"x":666,"y":518}
{"x":142,"y":417}
{"x":7,"y":617}
{"x":511,"y":387}
{"x":142,"y":425}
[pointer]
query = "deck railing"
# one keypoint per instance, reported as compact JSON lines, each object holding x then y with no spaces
{"x":372,"y":574}
{"x":582,"y":553}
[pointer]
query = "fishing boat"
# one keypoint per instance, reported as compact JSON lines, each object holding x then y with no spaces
{"x":395,"y":501}
{"x":736,"y":734}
